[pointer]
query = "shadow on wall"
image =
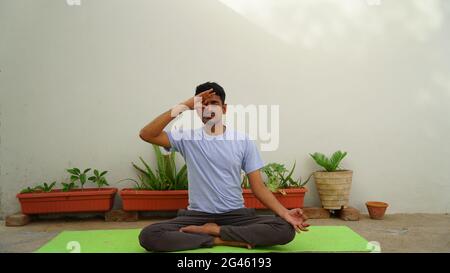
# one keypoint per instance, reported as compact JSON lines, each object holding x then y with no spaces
{"x":322,"y":24}
{"x":385,"y":65}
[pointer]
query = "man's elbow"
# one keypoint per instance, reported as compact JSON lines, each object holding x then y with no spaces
{"x":145,"y":136}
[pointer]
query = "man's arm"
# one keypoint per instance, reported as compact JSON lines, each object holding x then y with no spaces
{"x":153,"y":132}
{"x":264,"y":195}
{"x":294,"y":216}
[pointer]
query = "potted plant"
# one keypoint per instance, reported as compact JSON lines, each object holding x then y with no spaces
{"x":44,"y":199}
{"x":162,"y":189}
{"x":289,"y":192}
{"x":376,"y":209}
{"x":333,"y":183}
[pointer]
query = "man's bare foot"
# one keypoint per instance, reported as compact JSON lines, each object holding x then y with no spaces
{"x":219,"y":242}
{"x":208,"y":228}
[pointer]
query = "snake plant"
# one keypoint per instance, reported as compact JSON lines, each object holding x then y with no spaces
{"x":164,"y":177}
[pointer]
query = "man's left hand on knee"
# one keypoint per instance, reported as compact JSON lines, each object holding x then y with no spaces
{"x":297,"y":219}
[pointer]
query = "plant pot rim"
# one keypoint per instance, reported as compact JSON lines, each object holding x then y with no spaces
{"x":74,"y":192}
{"x":131,"y":191}
{"x":288,"y":190}
{"x":377,"y":204}
{"x":337,"y":171}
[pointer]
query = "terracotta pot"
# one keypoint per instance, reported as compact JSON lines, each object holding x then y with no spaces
{"x":148,"y":200}
{"x":294,"y":198}
{"x":376,"y":209}
{"x":334,"y":188}
{"x":57,"y":201}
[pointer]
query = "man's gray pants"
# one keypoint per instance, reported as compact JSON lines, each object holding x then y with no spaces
{"x":242,"y":225}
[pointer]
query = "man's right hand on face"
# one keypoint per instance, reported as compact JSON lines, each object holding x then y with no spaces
{"x":196,"y":101}
{"x":192,"y":103}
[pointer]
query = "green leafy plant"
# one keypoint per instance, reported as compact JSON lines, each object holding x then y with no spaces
{"x":28,"y":190}
{"x":329,"y":164}
{"x":45,"y":187}
{"x":165,"y":177}
{"x":99,"y":178}
{"x":279,"y":178}
{"x":245,"y":183}
{"x":39,"y":188}
{"x":77,"y":175}
{"x":68,"y":186}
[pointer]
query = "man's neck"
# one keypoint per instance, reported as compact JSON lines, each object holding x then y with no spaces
{"x":215,"y":129}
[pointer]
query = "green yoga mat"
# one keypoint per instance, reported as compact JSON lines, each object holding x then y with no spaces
{"x":317,"y":239}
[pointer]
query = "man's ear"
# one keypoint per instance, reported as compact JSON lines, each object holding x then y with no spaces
{"x":224,"y":109}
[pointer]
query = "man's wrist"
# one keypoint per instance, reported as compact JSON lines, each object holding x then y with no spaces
{"x":283,"y":213}
{"x":178,"y":109}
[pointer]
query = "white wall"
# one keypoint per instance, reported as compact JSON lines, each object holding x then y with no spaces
{"x":78,"y":82}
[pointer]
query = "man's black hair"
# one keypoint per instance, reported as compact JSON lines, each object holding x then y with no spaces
{"x":219,"y":91}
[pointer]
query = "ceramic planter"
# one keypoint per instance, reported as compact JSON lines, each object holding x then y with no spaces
{"x":334,"y":188}
{"x":148,"y":200}
{"x":294,"y":198}
{"x":57,"y":201}
{"x":376,"y":209}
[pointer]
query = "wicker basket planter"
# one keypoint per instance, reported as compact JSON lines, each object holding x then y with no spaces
{"x":334,"y":188}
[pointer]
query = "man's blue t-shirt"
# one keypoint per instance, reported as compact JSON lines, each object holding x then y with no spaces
{"x":214,"y":165}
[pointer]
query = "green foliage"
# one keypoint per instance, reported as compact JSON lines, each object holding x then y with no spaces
{"x":275,"y":174}
{"x":278,"y":177}
{"x":99,"y":178}
{"x":77,"y":175}
{"x":329,"y":164}
{"x":45,"y":187}
{"x":165,"y":177}
{"x":68,"y":186}
{"x":28,"y":190}
{"x":245,"y":183}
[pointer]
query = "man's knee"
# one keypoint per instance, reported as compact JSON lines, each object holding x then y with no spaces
{"x":286,"y":232}
{"x":149,"y":238}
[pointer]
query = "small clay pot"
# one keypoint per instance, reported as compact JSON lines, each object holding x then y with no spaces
{"x":376,"y":209}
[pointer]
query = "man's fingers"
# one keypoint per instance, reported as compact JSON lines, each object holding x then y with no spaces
{"x":188,"y":229}
{"x":206,"y":93}
{"x":200,"y":98}
{"x":299,"y":227}
{"x":302,"y":228}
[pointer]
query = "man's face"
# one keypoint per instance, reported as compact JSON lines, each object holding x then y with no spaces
{"x":212,"y":110}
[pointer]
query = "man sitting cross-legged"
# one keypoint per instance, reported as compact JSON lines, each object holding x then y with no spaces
{"x":215,"y":156}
